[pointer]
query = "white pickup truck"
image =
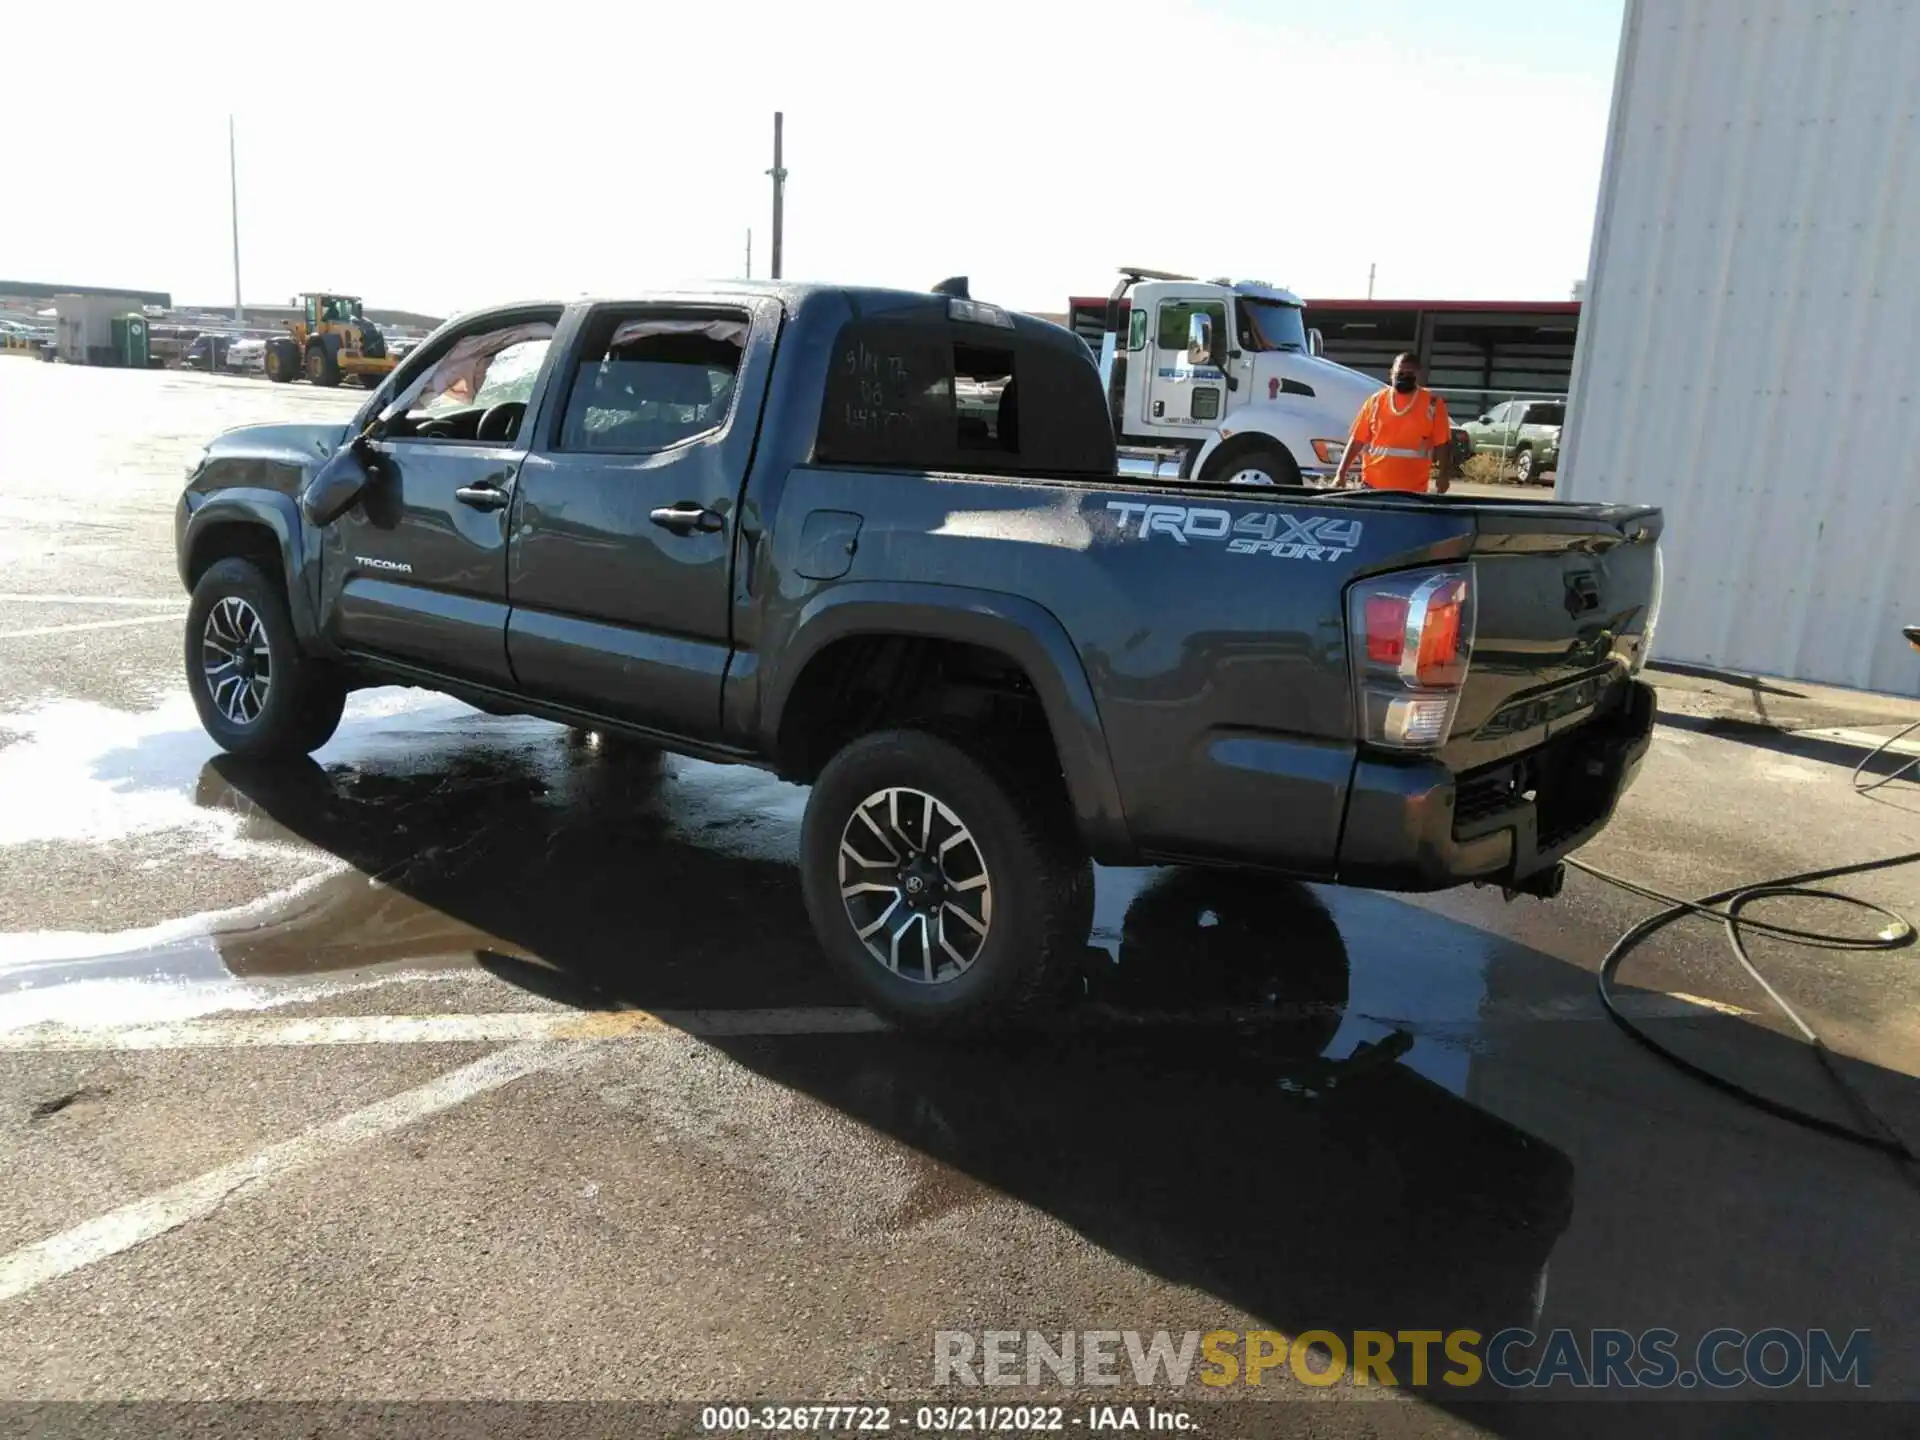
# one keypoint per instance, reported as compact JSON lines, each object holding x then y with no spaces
{"x":1219,"y":381}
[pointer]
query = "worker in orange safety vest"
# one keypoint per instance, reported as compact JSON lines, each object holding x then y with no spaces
{"x":1398,"y":435}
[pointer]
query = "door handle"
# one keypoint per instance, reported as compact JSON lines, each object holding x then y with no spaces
{"x":483,"y":497}
{"x":687,"y":517}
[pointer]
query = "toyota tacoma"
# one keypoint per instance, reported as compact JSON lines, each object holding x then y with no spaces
{"x":752,"y":523}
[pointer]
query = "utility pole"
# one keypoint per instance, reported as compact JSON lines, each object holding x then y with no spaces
{"x":779,"y":174}
{"x":749,"y":252}
{"x":233,"y":184}
{"x":1370,"y":269}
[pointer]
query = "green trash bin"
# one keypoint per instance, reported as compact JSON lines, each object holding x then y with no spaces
{"x":130,"y":340}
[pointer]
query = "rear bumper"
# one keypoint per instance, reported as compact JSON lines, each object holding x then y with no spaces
{"x":1417,"y":826}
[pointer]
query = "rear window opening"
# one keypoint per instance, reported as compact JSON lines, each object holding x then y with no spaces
{"x":985,"y":400}
{"x":915,"y":390}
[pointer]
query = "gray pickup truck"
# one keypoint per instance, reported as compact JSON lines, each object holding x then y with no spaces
{"x":750,"y":523}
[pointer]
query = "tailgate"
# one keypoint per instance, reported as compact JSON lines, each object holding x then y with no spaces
{"x":1562,"y":595}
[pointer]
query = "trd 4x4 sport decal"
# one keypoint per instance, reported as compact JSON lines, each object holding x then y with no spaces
{"x":1259,"y":532}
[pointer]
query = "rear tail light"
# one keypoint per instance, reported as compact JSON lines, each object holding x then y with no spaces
{"x":1412,"y":639}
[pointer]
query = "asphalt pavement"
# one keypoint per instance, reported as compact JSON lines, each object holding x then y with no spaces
{"x":473,"y":1061}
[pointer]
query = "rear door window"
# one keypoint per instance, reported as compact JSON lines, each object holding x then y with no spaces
{"x":650,"y":380}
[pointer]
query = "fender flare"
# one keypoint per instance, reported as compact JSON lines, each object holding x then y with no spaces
{"x":1243,"y":440}
{"x":267,"y":510}
{"x":1021,"y":629}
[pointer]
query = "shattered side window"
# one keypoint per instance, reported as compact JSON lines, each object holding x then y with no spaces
{"x":511,"y":373}
{"x":490,"y":368}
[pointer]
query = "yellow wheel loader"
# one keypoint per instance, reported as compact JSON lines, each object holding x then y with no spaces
{"x":335,"y":338}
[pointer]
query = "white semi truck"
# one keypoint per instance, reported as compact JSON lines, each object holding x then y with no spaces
{"x":1219,"y":381}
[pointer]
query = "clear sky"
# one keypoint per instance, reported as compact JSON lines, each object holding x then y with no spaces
{"x":441,"y":157}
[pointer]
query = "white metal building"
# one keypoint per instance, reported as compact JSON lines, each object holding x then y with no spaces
{"x":1749,"y":354}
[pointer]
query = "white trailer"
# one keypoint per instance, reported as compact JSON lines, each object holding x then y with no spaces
{"x":1747,"y":355}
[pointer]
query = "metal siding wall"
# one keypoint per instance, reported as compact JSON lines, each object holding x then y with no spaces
{"x":1748,"y":353}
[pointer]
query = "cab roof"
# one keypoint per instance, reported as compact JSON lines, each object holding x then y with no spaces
{"x":1260,"y":290}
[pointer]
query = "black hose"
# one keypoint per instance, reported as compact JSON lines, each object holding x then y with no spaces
{"x":1877,"y":1134}
{"x":1879,"y":750}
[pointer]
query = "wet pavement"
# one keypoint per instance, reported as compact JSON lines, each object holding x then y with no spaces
{"x":477,"y":1059}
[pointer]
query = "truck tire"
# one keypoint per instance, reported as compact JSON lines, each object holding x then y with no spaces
{"x":257,"y":694}
{"x":323,"y":366}
{"x":1523,"y":465}
{"x":282,"y":361}
{"x":1260,"y":464}
{"x":996,"y":892}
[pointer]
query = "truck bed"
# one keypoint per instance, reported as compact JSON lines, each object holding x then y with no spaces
{"x":1210,"y":623}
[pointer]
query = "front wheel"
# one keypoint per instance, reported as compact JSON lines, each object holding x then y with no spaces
{"x":939,"y":897}
{"x":323,"y":368}
{"x":257,"y":694}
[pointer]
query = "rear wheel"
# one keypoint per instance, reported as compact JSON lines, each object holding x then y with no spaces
{"x":1524,"y":469}
{"x":1252,"y":465}
{"x":942,"y":900}
{"x":282,"y":361}
{"x":257,"y":694}
{"x":322,"y":366}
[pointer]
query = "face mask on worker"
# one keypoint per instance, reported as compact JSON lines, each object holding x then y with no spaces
{"x":1406,"y":382}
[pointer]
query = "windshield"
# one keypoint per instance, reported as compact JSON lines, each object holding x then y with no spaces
{"x":1275,"y":326}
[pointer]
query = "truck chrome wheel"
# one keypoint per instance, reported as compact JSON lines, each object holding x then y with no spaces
{"x":915,"y":885}
{"x":236,"y":661}
{"x":1248,"y":475}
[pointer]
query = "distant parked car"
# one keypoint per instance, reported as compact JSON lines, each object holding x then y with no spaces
{"x":206,"y":352}
{"x":1525,"y":433}
{"x":249,"y":352}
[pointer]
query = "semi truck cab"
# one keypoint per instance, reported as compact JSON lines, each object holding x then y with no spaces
{"x":1220,"y":381}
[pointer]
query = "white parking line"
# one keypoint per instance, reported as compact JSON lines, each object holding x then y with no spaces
{"x":22,"y":597}
{"x":87,"y":625}
{"x":542,"y":1042}
{"x":255,"y":1031}
{"x":1865,"y":739}
{"x":134,"y":1224}
{"x":248,"y":1032}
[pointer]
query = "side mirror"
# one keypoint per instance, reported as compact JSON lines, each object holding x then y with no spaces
{"x":1316,"y":343}
{"x":1200,"y":340}
{"x":1484,"y":420}
{"x":337,"y":486}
